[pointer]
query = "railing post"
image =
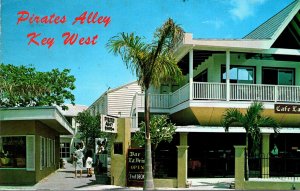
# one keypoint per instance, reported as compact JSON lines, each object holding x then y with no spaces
{"x":227,"y":75}
{"x":276,"y":94}
{"x":191,"y":75}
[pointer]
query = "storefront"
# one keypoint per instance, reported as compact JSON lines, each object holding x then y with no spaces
{"x":29,"y":143}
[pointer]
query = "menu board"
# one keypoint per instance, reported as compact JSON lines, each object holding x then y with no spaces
{"x":135,"y":167}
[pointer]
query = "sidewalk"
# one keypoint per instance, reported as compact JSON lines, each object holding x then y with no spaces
{"x":64,"y":179}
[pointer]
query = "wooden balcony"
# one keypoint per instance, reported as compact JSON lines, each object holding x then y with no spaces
{"x":217,"y":92}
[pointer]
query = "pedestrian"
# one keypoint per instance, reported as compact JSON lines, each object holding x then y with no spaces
{"x":78,"y":158}
{"x":89,"y":163}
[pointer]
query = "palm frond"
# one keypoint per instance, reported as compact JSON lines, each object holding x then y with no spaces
{"x":269,"y":122}
{"x":165,"y":70}
{"x":133,"y":52}
{"x":231,"y":115}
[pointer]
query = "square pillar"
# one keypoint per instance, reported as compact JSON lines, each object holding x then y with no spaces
{"x":182,"y":161}
{"x":118,"y":161}
{"x":239,"y":167}
{"x":265,"y":168}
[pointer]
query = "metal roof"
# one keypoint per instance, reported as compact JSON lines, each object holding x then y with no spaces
{"x":268,"y":29}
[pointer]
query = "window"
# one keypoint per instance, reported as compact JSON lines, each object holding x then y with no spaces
{"x":13,"y":152}
{"x":47,"y":152}
{"x":64,"y":150}
{"x":43,"y":152}
{"x":118,"y":148}
{"x":239,"y":74}
{"x":278,"y":76}
{"x":202,"y":77}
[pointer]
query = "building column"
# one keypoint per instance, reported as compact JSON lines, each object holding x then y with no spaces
{"x":118,"y":163}
{"x":182,"y":161}
{"x":227,"y":75}
{"x":265,"y":168}
{"x":191,"y":75}
{"x":239,"y":167}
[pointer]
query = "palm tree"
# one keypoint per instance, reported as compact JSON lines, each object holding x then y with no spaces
{"x":152,"y":63}
{"x":252,"y":120}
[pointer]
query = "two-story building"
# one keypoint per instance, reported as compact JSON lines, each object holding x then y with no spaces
{"x":263,"y":66}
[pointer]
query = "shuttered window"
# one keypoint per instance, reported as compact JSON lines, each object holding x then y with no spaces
{"x":30,"y":152}
{"x":43,"y":151}
{"x":54,"y":152}
{"x":49,"y":152}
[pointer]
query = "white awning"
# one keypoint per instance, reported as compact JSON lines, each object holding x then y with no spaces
{"x":215,"y":129}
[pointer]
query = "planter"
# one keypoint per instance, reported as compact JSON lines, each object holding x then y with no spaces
{"x":5,"y":160}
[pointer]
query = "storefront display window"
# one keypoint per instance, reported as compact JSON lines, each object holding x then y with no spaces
{"x":13,"y":152}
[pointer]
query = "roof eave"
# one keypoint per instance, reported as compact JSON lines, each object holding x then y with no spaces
{"x":48,"y":115}
{"x":241,"y":45}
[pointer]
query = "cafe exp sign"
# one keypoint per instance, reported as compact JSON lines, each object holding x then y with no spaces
{"x":108,"y":124}
{"x":287,"y":108}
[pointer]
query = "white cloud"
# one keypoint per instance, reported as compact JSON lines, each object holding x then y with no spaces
{"x":244,"y":8}
{"x":216,"y":23}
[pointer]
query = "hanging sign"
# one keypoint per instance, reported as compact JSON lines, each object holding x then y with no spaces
{"x":108,"y":124}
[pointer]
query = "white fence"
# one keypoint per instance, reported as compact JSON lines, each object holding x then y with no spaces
{"x":217,"y":91}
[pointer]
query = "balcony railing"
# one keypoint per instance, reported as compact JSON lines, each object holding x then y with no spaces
{"x":180,"y":95}
{"x":156,"y":100}
{"x":217,"y":91}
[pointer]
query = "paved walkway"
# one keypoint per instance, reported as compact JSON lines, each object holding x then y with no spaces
{"x":63,"y":179}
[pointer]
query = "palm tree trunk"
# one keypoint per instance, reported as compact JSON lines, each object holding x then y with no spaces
{"x":247,"y":160}
{"x":148,"y":179}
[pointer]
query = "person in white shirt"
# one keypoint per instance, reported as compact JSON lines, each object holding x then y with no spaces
{"x":89,"y":163}
{"x":78,"y":158}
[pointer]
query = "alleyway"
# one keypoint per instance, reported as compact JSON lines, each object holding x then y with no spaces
{"x":63,"y":179}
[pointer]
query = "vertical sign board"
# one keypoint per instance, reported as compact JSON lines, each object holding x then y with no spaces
{"x":108,"y":124}
{"x":135,"y":167}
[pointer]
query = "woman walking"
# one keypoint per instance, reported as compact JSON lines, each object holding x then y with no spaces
{"x":78,"y":158}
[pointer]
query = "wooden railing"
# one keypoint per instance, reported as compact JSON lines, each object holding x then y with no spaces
{"x":249,"y":92}
{"x":288,"y":93}
{"x":217,"y":91}
{"x":156,"y":100}
{"x":203,"y":90}
{"x":180,"y":95}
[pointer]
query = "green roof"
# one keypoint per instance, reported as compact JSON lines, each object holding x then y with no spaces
{"x":268,"y":29}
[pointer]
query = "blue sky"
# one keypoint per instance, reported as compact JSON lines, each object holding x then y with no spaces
{"x":93,"y":66}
